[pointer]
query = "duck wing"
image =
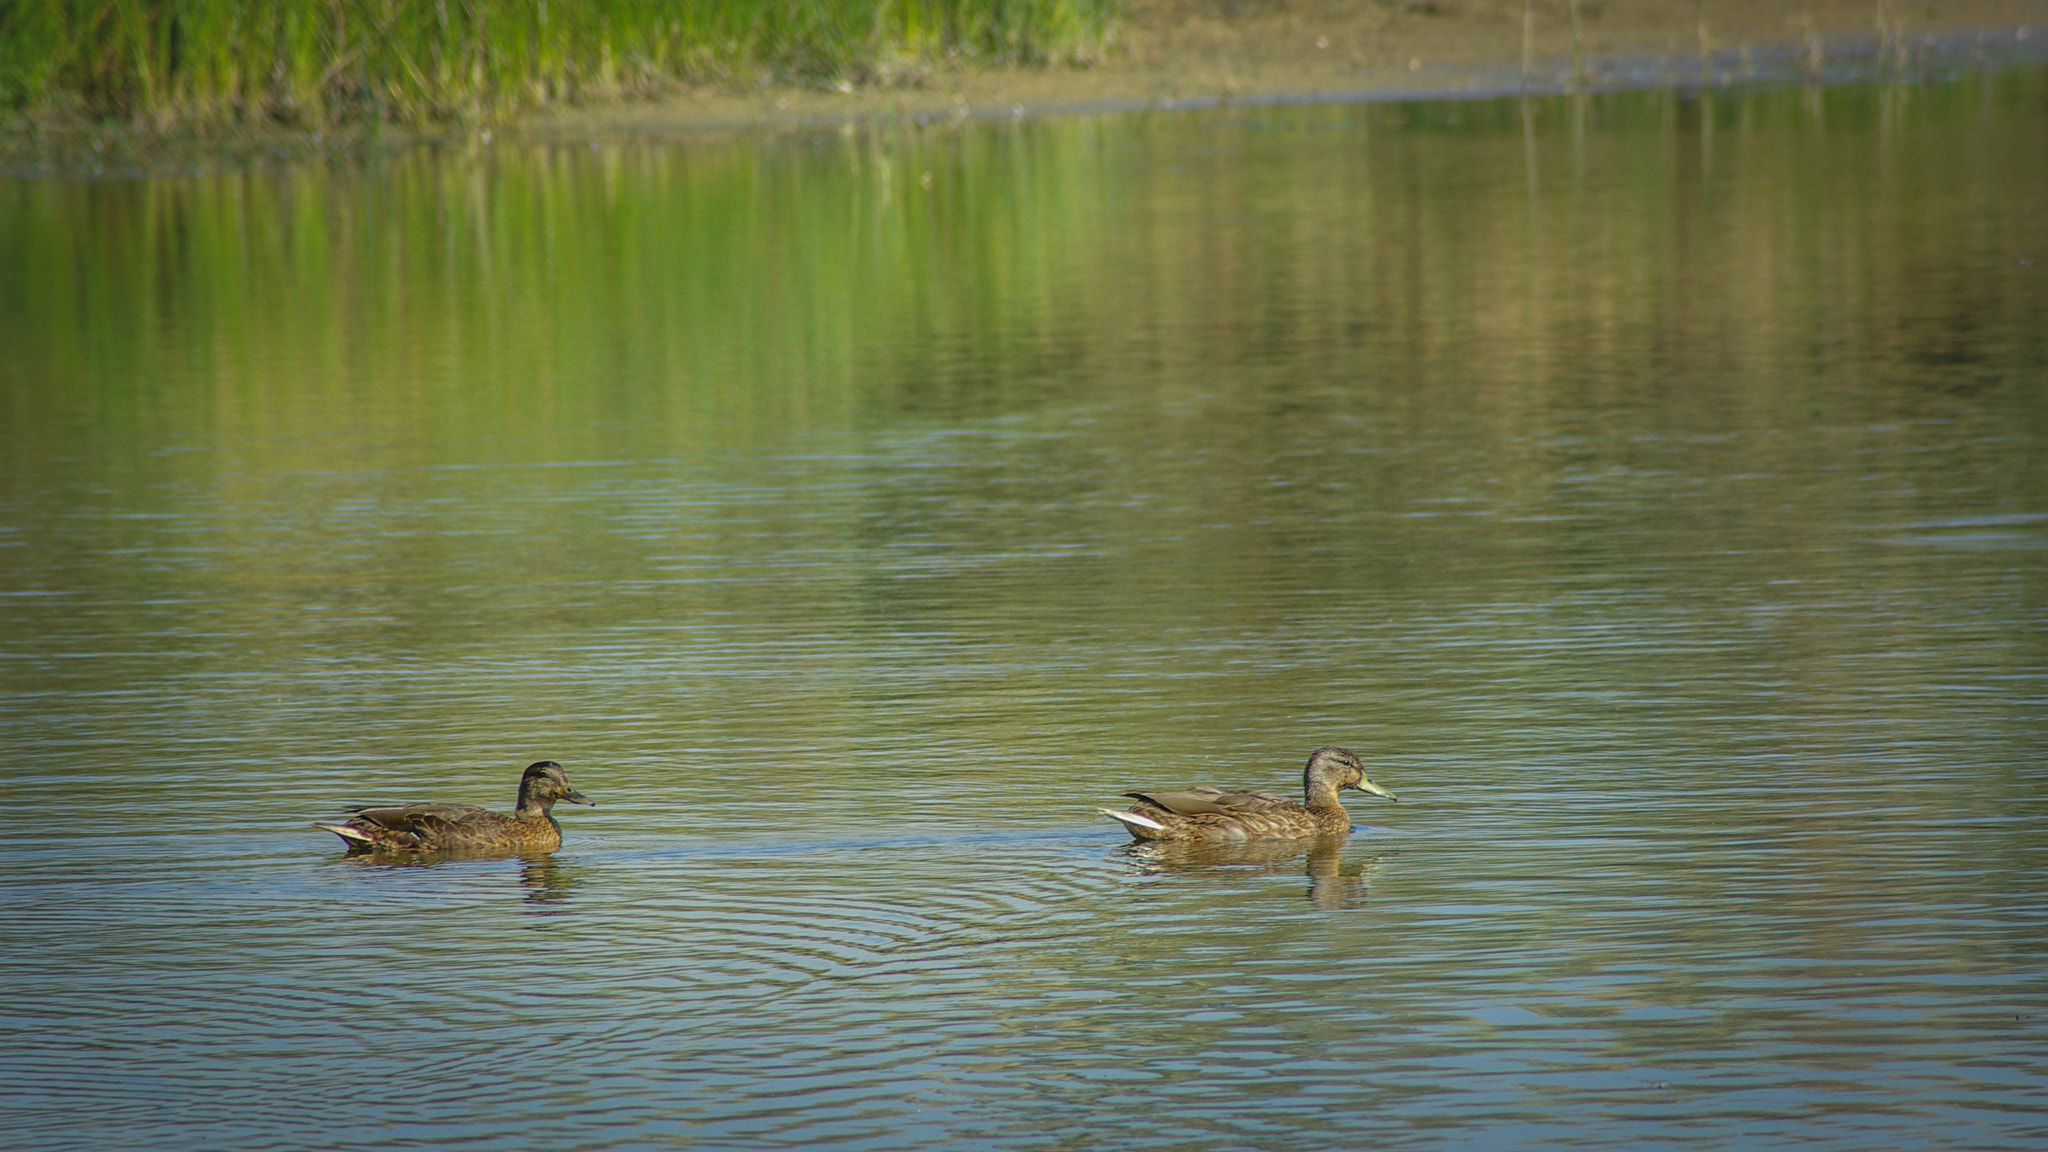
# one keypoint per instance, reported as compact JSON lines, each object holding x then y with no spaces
{"x":424,"y":820}
{"x":1260,"y":802}
{"x":1205,"y":800}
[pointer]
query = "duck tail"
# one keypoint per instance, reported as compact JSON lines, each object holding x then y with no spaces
{"x":1138,"y":825}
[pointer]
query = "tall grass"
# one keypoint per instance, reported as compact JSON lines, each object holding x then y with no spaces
{"x":318,"y":61}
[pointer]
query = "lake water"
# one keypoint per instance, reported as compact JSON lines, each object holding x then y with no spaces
{"x":1653,"y":490}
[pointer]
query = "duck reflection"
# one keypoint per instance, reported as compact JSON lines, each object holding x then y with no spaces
{"x":545,"y":883}
{"x":1332,"y":884}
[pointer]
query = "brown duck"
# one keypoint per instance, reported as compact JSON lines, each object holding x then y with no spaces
{"x":1211,"y":814}
{"x":465,"y":827}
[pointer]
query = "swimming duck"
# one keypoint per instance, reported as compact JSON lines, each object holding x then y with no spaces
{"x":1212,"y":814}
{"x":465,"y":827}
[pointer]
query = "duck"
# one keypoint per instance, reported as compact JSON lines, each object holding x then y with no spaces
{"x":434,"y":827}
{"x":1213,"y":815}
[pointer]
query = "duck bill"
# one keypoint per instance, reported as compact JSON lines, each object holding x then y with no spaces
{"x":575,"y":797}
{"x":1365,"y":785}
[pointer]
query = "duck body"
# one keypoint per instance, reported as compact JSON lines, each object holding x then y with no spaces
{"x":432,"y":827}
{"x":1215,"y":815}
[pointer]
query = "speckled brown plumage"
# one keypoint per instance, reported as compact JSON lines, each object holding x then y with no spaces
{"x":1212,"y":814}
{"x":465,"y":827}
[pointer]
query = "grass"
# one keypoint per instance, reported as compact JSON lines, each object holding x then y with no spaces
{"x":318,"y":62}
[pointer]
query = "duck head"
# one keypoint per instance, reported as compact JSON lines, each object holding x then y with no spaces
{"x":1337,"y":769}
{"x":545,"y":783}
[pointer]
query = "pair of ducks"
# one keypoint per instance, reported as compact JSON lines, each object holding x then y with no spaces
{"x":1204,"y":814}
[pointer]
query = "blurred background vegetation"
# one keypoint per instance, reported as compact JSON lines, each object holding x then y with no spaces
{"x":315,"y":62}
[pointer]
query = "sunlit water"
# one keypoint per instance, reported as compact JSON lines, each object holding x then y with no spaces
{"x":1654,"y":492}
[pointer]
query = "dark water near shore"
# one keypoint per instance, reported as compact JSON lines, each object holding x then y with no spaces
{"x":1654,"y":491}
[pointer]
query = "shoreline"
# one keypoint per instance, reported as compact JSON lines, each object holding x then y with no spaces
{"x":1186,"y":54}
{"x":1178,"y":54}
{"x":1845,"y":62}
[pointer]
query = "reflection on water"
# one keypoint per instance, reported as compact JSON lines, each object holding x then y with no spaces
{"x":1650,"y":485}
{"x":545,"y":882}
{"x":1332,"y":883}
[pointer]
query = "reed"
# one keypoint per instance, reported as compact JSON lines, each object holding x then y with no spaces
{"x":311,"y":62}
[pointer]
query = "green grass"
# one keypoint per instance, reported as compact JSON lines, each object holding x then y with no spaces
{"x":311,"y":62}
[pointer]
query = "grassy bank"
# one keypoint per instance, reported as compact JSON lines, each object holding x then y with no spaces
{"x":316,"y":62}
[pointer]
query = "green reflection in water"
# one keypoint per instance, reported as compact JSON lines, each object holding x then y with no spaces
{"x":638,"y":298}
{"x":1476,"y":308}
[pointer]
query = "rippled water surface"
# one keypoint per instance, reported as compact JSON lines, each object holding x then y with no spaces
{"x":1654,"y":491}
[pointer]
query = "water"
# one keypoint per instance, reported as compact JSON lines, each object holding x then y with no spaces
{"x":1651,"y":490}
